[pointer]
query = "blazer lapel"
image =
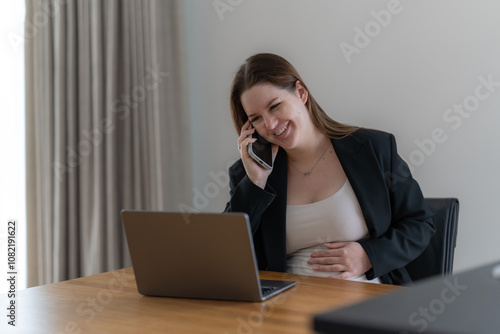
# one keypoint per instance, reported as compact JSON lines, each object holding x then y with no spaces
{"x":367,"y":180}
{"x":274,"y":223}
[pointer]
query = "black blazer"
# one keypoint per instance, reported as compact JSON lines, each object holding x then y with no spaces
{"x":398,"y":220}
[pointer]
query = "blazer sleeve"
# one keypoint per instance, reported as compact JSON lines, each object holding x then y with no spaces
{"x":246,"y":196}
{"x":411,"y":226}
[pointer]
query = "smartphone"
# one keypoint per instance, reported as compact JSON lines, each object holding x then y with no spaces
{"x":261,"y":150}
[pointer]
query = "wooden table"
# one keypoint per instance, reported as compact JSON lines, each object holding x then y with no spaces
{"x":110,"y":303}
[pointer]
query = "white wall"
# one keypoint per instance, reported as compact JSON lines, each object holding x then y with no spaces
{"x":416,"y":66}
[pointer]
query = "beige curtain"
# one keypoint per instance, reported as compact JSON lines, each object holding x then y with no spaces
{"x":106,"y":128}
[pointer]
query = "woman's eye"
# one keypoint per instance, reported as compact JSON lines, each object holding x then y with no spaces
{"x":274,"y":106}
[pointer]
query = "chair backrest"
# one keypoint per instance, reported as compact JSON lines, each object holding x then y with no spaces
{"x":437,"y":258}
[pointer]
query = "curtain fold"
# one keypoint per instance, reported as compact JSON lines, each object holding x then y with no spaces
{"x":105,"y":93}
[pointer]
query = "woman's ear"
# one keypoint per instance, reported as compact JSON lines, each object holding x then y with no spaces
{"x":301,"y":91}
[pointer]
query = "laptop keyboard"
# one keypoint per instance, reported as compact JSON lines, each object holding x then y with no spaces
{"x":268,"y":289}
{"x":271,"y":287}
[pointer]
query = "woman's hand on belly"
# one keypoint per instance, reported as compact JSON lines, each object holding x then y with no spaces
{"x":348,"y":258}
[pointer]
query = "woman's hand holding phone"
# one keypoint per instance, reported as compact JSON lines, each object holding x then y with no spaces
{"x":256,"y":173}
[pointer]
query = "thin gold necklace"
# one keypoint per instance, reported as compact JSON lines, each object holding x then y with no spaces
{"x":310,"y":170}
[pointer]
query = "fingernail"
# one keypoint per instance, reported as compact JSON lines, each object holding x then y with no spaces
{"x":315,"y":268}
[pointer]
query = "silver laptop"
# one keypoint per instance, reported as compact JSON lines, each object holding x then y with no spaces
{"x":198,"y":255}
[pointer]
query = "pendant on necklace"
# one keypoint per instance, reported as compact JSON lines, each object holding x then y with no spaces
{"x":308,"y":172}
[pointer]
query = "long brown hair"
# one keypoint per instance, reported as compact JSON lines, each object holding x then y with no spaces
{"x":276,"y":70}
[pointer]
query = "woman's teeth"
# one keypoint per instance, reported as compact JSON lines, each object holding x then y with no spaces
{"x":281,"y":131}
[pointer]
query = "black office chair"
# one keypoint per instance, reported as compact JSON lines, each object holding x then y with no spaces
{"x":437,"y":258}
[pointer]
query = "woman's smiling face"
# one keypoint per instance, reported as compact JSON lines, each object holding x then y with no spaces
{"x":278,"y":115}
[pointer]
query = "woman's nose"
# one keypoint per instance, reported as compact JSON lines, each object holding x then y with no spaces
{"x":270,"y":122}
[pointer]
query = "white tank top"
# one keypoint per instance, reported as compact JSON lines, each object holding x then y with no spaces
{"x":309,"y":226}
